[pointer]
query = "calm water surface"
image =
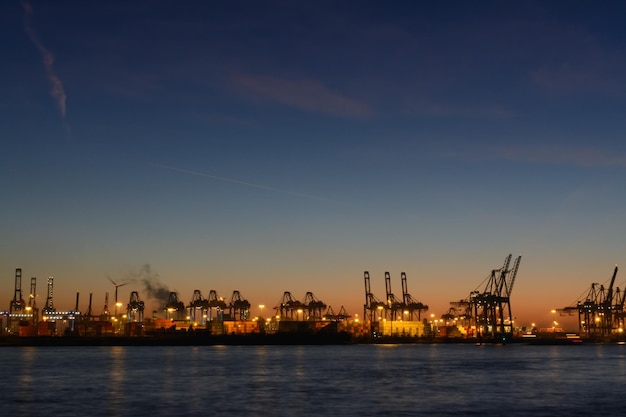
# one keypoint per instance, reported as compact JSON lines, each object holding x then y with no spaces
{"x":360,"y":380}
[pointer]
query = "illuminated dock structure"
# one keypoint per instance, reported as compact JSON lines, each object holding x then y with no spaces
{"x":486,"y":313}
{"x":394,"y":317}
{"x":600,"y":312}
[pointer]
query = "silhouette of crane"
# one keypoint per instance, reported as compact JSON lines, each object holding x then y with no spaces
{"x":116,"y":287}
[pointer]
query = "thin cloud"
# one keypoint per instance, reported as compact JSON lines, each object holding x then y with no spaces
{"x":566,"y":80}
{"x":304,"y":94}
{"x":56,"y":86}
{"x":583,"y":157}
{"x":244,"y":183}
{"x":577,"y":62}
{"x":438,"y":109}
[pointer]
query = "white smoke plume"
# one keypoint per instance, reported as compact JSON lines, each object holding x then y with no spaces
{"x":56,"y":86}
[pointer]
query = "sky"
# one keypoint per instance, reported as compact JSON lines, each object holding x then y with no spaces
{"x":282,"y":146}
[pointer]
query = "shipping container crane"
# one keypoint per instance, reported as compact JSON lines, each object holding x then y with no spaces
{"x":313,"y":306}
{"x":601,"y":312}
{"x":239,"y":307}
{"x":17,"y":304}
{"x":216,"y":303}
{"x":489,"y":309}
{"x":174,"y":308}
{"x":49,"y":307}
{"x":411,"y":305}
{"x":343,"y":314}
{"x":393,"y":304}
{"x":135,"y":308}
{"x":330,"y":314}
{"x":288,"y":306}
{"x":198,"y":307}
{"x":491,"y":305}
{"x":32,"y":300}
{"x":89,"y":313}
{"x":607,"y":307}
{"x":373,"y":307}
{"x":105,"y":311}
{"x":620,"y":297}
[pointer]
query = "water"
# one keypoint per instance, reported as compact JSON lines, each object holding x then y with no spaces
{"x":356,"y":380}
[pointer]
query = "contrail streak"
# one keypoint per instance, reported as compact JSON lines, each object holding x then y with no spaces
{"x":245,"y":183}
{"x":56,"y":86}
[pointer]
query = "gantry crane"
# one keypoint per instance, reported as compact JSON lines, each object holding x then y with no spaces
{"x":394,"y":305}
{"x":288,"y":306}
{"x":373,"y":307}
{"x":89,"y":314}
{"x":490,"y":306}
{"x":489,"y":309}
{"x":410,"y":304}
{"x":343,"y":314}
{"x":198,"y":307}
{"x":606,"y":306}
{"x":331,"y":316}
{"x":174,"y":308}
{"x":105,"y":315}
{"x":135,"y":308}
{"x":49,"y":307}
{"x":17,"y":304}
{"x":601,"y":312}
{"x":239,"y":307}
{"x":32,"y":300}
{"x":313,"y":306}
{"x":216,"y":303}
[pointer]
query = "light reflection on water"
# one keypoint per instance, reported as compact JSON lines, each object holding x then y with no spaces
{"x":360,"y":380}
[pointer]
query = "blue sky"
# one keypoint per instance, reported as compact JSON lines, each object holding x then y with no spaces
{"x":288,"y":146}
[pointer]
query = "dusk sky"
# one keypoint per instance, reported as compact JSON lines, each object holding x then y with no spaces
{"x":290,"y":146}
